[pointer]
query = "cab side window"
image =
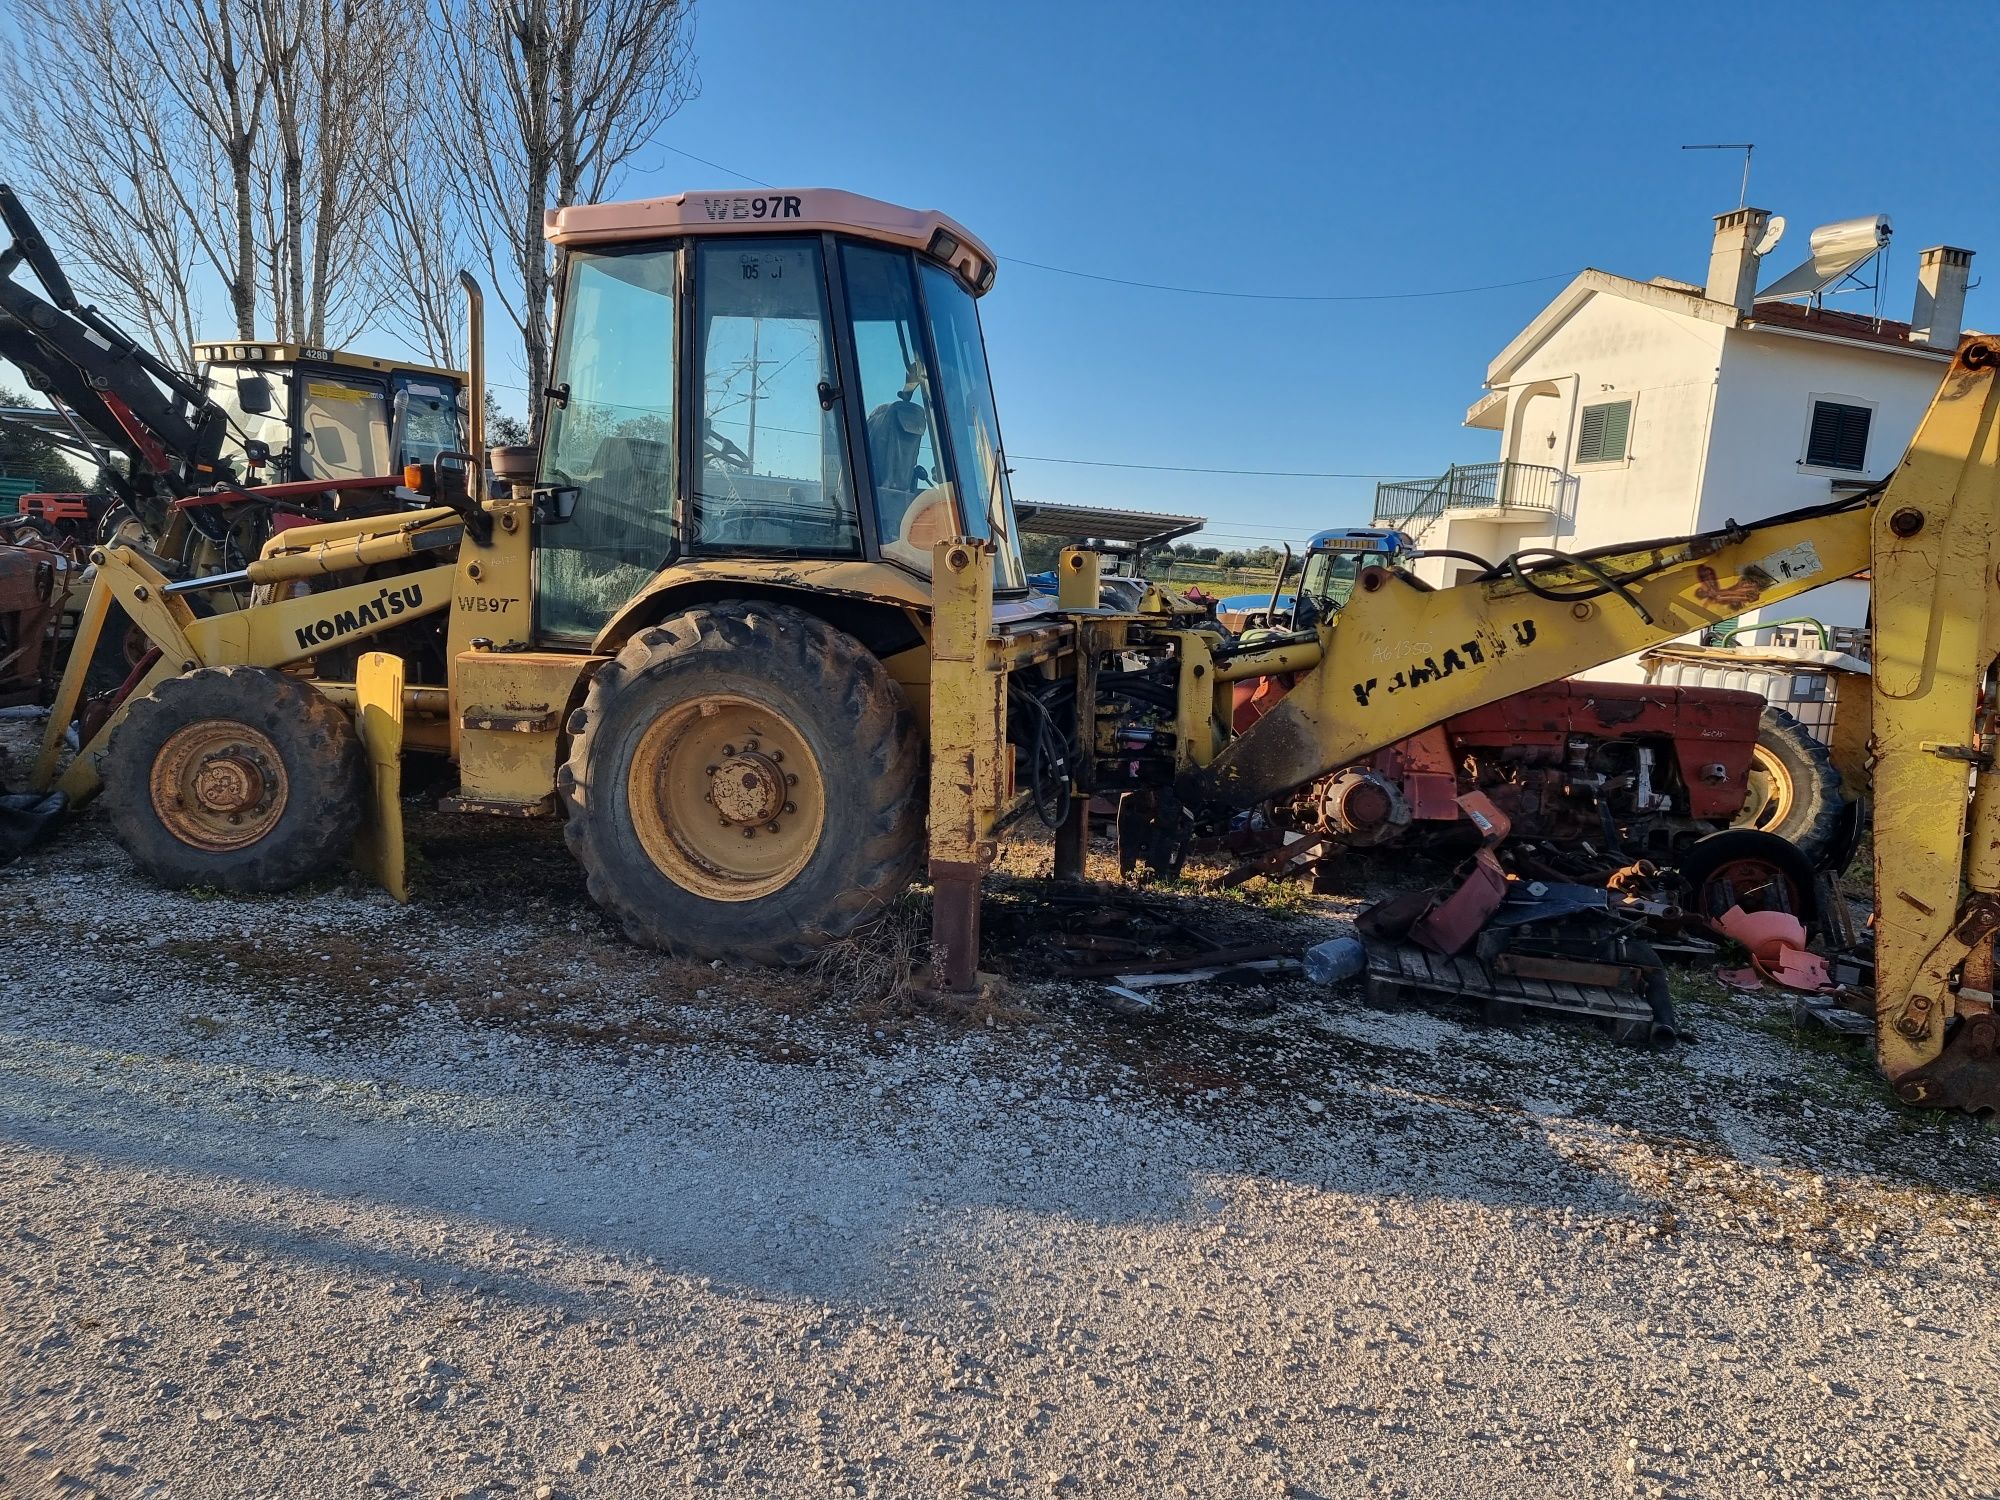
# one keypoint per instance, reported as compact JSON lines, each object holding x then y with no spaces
{"x":914,"y":503}
{"x":772,"y":474}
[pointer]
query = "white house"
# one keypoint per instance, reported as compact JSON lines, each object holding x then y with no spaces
{"x":1636,"y":409}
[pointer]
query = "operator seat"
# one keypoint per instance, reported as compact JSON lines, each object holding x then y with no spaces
{"x":896,"y":431}
{"x":631,"y":480}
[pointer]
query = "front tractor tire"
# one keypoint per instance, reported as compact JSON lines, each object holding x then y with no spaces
{"x":744,"y":782}
{"x":1794,"y":790}
{"x":237,"y":778}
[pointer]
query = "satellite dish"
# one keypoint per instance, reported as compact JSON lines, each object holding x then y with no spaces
{"x":1773,"y":232}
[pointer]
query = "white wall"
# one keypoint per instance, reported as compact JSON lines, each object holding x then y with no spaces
{"x":1719,"y":423}
{"x":1763,"y":409}
{"x":1609,"y":349}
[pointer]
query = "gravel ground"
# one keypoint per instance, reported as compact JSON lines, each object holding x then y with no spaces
{"x":320,"y":1196}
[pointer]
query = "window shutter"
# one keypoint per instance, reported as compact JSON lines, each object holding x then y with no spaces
{"x":1839,"y":436}
{"x":1590,"y":441}
{"x":1617,"y":426}
{"x":1603,"y":431}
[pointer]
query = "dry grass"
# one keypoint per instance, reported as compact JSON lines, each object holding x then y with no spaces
{"x":886,"y":966}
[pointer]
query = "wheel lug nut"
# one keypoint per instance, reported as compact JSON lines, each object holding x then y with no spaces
{"x":791,"y":807}
{"x":770,"y":828}
{"x":791,"y":779}
{"x":713,"y":769}
{"x":778,"y":755}
{"x":749,"y":833}
{"x":748,"y":746}
{"x":728,"y":749}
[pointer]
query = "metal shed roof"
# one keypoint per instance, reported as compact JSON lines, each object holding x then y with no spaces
{"x":1135,"y":528}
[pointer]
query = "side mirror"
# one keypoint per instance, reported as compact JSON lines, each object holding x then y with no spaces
{"x":556,"y":503}
{"x":253,"y":394}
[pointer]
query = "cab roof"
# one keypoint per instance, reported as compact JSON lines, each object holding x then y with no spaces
{"x":265,"y":352}
{"x":775,"y":211}
{"x":1359,"y":539}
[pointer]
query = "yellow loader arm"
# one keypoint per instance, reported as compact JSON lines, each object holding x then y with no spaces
{"x":1400,"y":658}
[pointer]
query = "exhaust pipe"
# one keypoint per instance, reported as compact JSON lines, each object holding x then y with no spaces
{"x":475,"y":371}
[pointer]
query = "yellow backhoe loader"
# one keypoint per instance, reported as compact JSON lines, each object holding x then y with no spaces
{"x":752,"y":622}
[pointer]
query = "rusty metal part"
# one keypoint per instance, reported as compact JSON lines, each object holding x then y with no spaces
{"x":218,"y":785}
{"x":35,"y":582}
{"x":1286,"y":859}
{"x":1073,"y":840}
{"x":541,"y":807}
{"x":727,"y":798}
{"x":1452,"y":923}
{"x":1964,"y":1076}
{"x":1362,"y":808}
{"x":955,"y":891}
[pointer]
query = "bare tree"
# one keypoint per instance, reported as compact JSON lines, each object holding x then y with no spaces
{"x":202,"y":53}
{"x":98,"y":178}
{"x":329,"y":66}
{"x":572,"y":90}
{"x":418,"y":242}
{"x":164,"y":139}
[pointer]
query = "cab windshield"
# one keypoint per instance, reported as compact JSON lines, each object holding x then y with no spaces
{"x":426,"y":422}
{"x":933,"y":439}
{"x":1329,"y":578}
{"x":972,"y":422}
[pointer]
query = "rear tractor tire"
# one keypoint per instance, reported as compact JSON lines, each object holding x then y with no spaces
{"x":239,"y":778}
{"x":744,"y":782}
{"x":1794,"y":789}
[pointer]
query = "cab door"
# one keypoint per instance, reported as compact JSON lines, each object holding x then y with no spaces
{"x":611,"y":433}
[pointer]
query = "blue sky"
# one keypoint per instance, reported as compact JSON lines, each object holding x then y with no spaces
{"x":1328,"y":150}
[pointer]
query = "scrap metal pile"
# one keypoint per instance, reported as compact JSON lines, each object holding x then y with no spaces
{"x":1503,"y":934}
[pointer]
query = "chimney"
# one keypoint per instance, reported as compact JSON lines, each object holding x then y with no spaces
{"x":1732,"y":264}
{"x":1942,"y":272}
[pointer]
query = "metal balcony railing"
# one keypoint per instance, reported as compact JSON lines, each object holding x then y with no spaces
{"x":1533,"y":489}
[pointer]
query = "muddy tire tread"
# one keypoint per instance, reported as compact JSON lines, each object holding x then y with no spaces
{"x":324,"y":765}
{"x":1814,"y":824}
{"x":826,"y":666}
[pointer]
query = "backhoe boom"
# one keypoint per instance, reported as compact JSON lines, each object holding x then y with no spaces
{"x":1400,"y":658}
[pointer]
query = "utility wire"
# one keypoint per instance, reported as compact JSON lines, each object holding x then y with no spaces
{"x":1204,"y":291}
{"x":1105,"y":463}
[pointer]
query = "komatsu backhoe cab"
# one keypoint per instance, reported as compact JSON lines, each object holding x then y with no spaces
{"x":764,"y":377}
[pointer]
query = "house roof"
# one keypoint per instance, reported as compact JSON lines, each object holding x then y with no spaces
{"x":1686,"y":300}
{"x":1793,"y":317}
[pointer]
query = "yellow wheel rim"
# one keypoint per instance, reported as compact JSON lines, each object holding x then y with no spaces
{"x":726,"y":797}
{"x":1771,"y":791}
{"x":218,"y":785}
